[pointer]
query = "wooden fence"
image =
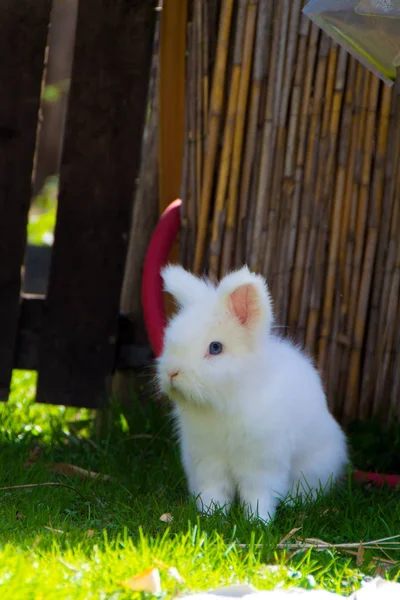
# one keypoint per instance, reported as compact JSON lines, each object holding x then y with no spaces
{"x":291,"y":163}
{"x":71,"y":335}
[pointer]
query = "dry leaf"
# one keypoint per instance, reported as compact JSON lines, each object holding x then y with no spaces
{"x":360,"y":555}
{"x":329,"y":510}
{"x":380,"y":571}
{"x":147,"y":581}
{"x":166,"y":518}
{"x":19,"y":516}
{"x":90,"y":532}
{"x":74,"y":471}
{"x":33,"y":457}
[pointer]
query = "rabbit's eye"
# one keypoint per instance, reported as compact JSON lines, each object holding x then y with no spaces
{"x":215,"y":348}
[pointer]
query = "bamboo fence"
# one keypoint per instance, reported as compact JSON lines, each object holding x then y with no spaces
{"x":292,"y":165}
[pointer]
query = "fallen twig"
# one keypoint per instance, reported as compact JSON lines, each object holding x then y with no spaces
{"x":46,"y":484}
{"x":54,"y":530}
{"x":316,"y":544}
{"x":385,"y":562}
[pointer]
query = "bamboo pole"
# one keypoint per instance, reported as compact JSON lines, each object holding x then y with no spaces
{"x":217,"y":98}
{"x":192,"y":131}
{"x":345,"y":150}
{"x":375,"y":342}
{"x":171,"y":98}
{"x":171,"y":108}
{"x":298,"y":314}
{"x":366,"y":154}
{"x":267,"y":147}
{"x":385,"y":397}
{"x":186,"y":217}
{"x":311,"y":298}
{"x":205,"y":63}
{"x":393,"y":352}
{"x":269,"y":260}
{"x":362,"y":274}
{"x":251,"y":16}
{"x":219,"y":216}
{"x":353,"y":182}
{"x":331,"y":186}
{"x":389,"y":305}
{"x":293,"y":169}
{"x":259,"y":73}
{"x":295,"y":43}
{"x":189,"y":216}
{"x":199,"y":97}
{"x":375,"y":213}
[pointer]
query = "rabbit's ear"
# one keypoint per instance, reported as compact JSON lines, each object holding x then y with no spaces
{"x":247,"y":298}
{"x":182,"y":285}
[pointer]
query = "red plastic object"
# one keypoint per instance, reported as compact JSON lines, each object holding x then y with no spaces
{"x":153,"y":305}
{"x":156,"y":258}
{"x":377,"y":479}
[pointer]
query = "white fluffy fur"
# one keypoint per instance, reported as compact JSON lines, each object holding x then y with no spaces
{"x":182,"y":285}
{"x":253,"y":420}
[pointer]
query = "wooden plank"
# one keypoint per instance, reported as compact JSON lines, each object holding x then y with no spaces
{"x":171,"y":99}
{"x":30,"y":326}
{"x":129,"y":356}
{"x":172,"y":109}
{"x":98,"y":169}
{"x":23,"y":34}
{"x":36,"y":269}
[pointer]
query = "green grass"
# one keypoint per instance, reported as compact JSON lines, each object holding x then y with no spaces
{"x":48,"y":552}
{"x":42,"y":215}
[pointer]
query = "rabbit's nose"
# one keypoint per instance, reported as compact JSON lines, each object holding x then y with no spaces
{"x":172,"y":374}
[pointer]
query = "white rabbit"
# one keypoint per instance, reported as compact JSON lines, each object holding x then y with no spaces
{"x":252,"y":414}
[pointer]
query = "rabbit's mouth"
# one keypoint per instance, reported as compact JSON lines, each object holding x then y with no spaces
{"x":176,"y":395}
{"x":183,"y":395}
{"x":172,"y":387}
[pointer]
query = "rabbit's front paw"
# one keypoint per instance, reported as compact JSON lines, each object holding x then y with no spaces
{"x":260,"y":510}
{"x":212,"y":500}
{"x":261,"y":492}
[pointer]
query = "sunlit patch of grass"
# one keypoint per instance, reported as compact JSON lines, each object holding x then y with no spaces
{"x":42,"y":215}
{"x":23,"y":419}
